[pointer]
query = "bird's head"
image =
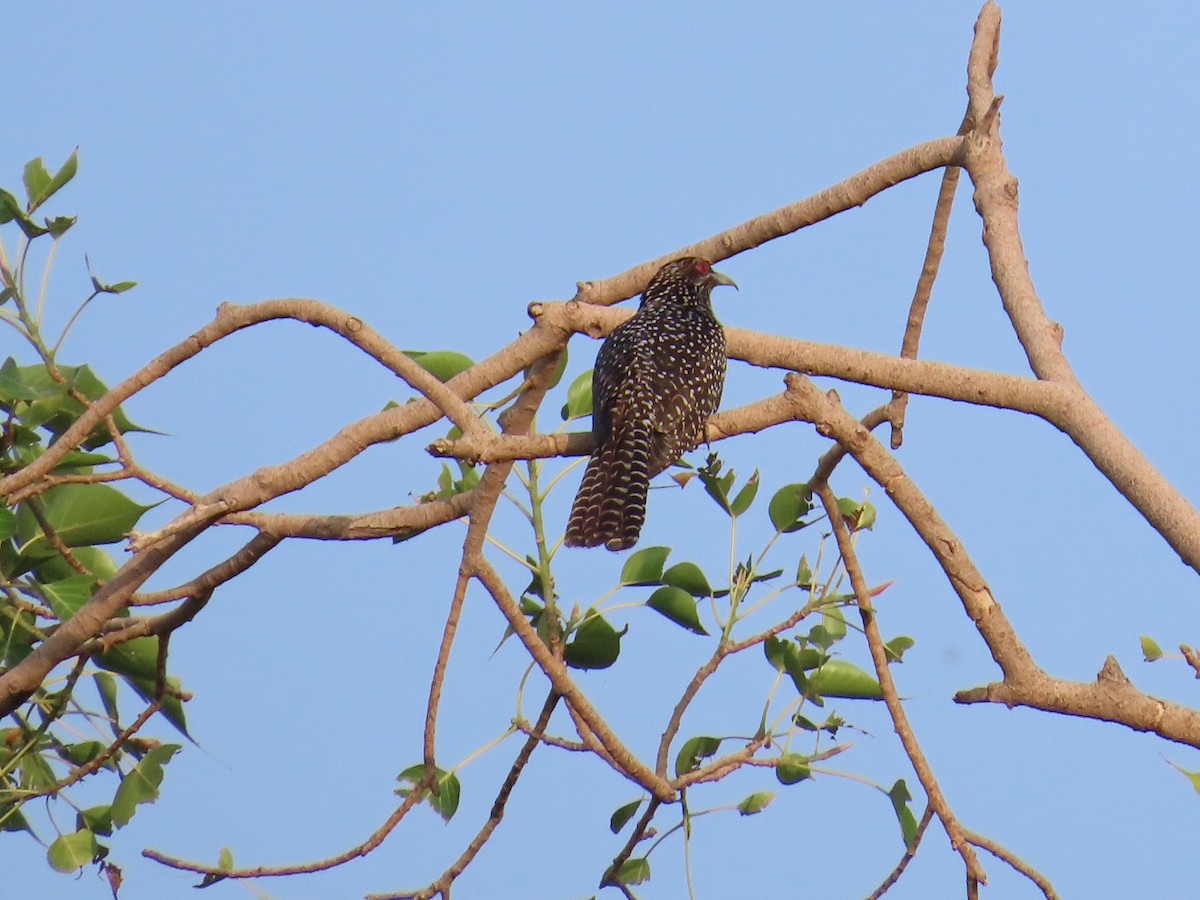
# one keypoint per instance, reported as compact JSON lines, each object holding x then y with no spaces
{"x":688,"y":279}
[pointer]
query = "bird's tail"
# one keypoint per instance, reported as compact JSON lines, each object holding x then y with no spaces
{"x":611,"y":504}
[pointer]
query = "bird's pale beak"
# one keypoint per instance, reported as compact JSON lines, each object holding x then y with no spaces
{"x":722,"y":278}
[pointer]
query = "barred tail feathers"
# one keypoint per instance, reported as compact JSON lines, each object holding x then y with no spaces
{"x":611,"y":504}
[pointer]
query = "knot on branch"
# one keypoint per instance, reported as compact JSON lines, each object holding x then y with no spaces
{"x":1111,"y":674}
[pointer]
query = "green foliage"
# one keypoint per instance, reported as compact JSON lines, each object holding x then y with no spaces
{"x":443,"y":364}
{"x":1150,"y":649}
{"x":445,"y":801}
{"x":622,"y":815}
{"x":52,"y":564}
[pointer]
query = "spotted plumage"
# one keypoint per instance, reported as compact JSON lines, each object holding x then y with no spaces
{"x":658,"y":377}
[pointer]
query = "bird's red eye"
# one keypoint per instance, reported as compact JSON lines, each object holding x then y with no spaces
{"x":703,"y":266}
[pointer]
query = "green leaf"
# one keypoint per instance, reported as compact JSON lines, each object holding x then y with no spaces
{"x":677,"y":605}
{"x":694,"y":750}
{"x":56,"y":568}
{"x":717,"y":486}
{"x":559,"y":369}
{"x":838,"y":678}
{"x":1150,"y":648}
{"x":745,"y":496}
{"x":445,"y":802}
{"x":775,"y":649}
{"x":106,"y":687}
{"x":634,"y":871}
{"x":834,"y":622}
{"x":141,"y":784}
{"x":1193,"y":777}
{"x":689,"y":577}
{"x":8,"y":523}
{"x":65,"y":173}
{"x":83,"y":752}
{"x":137,"y":658}
{"x":595,"y":644}
{"x":37,"y":181}
{"x":68,"y":595}
{"x":623,"y":815}
{"x":59,"y":225}
{"x":58,"y":410}
{"x":792,"y":768}
{"x":645,"y":566}
{"x":72,"y":851}
{"x":443,"y":364}
{"x":579,"y":397}
{"x":900,"y":798}
{"x":225,"y":859}
{"x":755,"y":803}
{"x":896,"y":647}
{"x":80,"y":515}
{"x":96,"y":819}
{"x":17,"y":631}
{"x":788,"y":507}
{"x":859,"y":514}
{"x":10,"y":208}
{"x":804,"y":575}
{"x":137,"y":661}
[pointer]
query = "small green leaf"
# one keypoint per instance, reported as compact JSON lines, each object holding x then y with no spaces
{"x":141,"y":784}
{"x":717,"y":486}
{"x":137,"y":658}
{"x":775,"y":649}
{"x":445,"y":802}
{"x":1150,"y":648}
{"x":65,"y":173}
{"x":37,"y":181}
{"x":804,"y":575}
{"x":896,"y":647}
{"x":68,"y":595}
{"x":81,"y":752}
{"x":788,"y":507}
{"x":442,"y":364}
{"x":559,"y":369}
{"x":623,"y":815}
{"x":8,"y":523}
{"x":745,"y":496}
{"x":72,"y":851}
{"x":679,"y":606}
{"x":645,"y":566}
{"x":634,"y":871}
{"x":59,"y":225}
{"x":594,"y":645}
{"x":859,"y":514}
{"x":755,"y":803}
{"x":689,"y":577}
{"x":834,"y":623}
{"x":96,"y":819}
{"x":119,"y":288}
{"x":106,"y":687}
{"x":694,"y":750}
{"x":579,"y":397}
{"x":838,"y":678}
{"x":792,"y":768}
{"x":900,"y":798}
{"x":17,"y":631}
{"x":1193,"y":777}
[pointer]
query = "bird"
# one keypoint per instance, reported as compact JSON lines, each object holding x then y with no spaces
{"x":657,"y":379}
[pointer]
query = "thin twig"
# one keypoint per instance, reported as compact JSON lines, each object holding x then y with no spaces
{"x":891,"y":697}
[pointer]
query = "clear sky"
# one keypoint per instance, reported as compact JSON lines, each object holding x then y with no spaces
{"x":433,"y":168}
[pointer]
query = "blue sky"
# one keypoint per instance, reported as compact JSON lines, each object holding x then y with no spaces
{"x":433,"y":170}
